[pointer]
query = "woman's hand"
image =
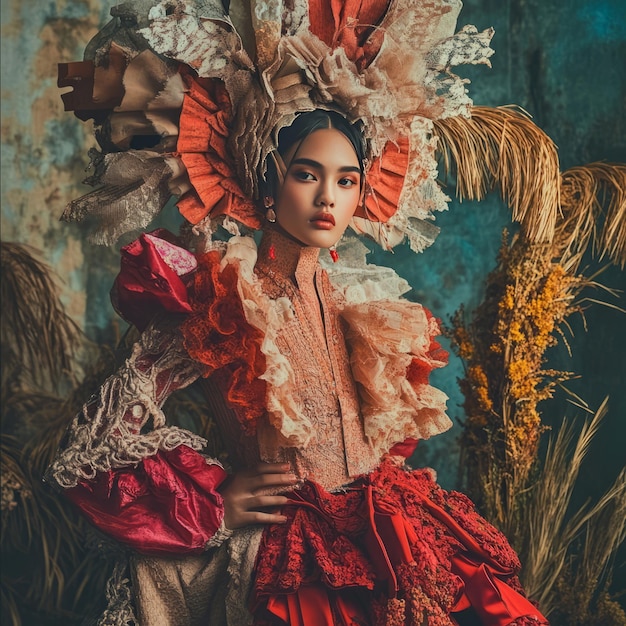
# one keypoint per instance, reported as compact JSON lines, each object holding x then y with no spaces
{"x":246,"y":500}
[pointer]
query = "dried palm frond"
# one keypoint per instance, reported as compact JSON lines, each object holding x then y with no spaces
{"x":593,"y":203}
{"x":9,"y":610}
{"x":47,"y":568}
{"x":37,"y":336}
{"x":50,"y":574}
{"x":502,"y":148}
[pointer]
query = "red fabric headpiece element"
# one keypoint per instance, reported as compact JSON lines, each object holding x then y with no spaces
{"x":384,"y":182}
{"x":202,"y":147}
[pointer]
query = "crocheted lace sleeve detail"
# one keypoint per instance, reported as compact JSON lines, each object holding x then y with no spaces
{"x":112,"y":430}
{"x":221,"y":535}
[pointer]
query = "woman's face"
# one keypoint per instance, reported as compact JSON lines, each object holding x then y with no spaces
{"x":321,"y":189}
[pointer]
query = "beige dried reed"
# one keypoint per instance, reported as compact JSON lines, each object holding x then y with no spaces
{"x":553,"y":533}
{"x":593,"y":207}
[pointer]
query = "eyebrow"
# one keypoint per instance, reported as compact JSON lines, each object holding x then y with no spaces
{"x":316,"y":164}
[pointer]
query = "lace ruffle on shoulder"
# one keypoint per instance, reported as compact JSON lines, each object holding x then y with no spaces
{"x":391,"y":343}
{"x":392,"y":351}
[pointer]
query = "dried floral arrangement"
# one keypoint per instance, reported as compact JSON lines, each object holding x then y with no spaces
{"x":530,"y":296}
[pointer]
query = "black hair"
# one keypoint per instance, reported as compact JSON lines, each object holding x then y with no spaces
{"x":300,"y":129}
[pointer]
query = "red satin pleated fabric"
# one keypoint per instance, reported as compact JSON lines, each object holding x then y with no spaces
{"x":168,"y":504}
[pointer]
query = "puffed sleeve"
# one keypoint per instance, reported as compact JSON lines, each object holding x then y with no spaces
{"x":136,"y":478}
{"x":168,"y":504}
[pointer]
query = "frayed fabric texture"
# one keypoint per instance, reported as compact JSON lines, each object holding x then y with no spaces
{"x":195,"y":100}
{"x":107,"y":434}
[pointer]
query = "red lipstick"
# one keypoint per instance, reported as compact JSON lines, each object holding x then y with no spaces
{"x":323,"y":220}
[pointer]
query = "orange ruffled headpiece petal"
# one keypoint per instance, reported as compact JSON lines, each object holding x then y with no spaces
{"x":204,"y":129}
{"x":384,"y":182}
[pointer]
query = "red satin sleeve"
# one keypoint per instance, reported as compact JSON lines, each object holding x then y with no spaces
{"x":167,"y":504}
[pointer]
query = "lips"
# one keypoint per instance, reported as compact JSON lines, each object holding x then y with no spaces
{"x":323,"y":221}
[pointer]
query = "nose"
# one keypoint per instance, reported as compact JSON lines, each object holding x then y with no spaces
{"x":326,"y":195}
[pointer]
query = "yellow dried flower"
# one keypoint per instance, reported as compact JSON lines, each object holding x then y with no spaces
{"x":515,"y":332}
{"x":508,"y":301}
{"x":521,"y":378}
{"x":478,"y":378}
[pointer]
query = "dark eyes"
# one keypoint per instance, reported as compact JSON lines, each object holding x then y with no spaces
{"x":304,"y":176}
{"x":342,"y":182}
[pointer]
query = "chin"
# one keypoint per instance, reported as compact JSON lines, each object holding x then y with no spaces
{"x":321,"y":242}
{"x":322,"y":239}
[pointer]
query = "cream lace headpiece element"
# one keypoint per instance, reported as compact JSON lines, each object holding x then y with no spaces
{"x":270,"y":60}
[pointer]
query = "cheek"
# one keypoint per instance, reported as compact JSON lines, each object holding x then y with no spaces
{"x":350,"y":204}
{"x":291,"y":200}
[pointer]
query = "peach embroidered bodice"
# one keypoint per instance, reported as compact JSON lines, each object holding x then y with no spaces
{"x":313,"y":342}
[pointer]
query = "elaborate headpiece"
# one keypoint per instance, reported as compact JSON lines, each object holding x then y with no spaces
{"x":188,"y":99}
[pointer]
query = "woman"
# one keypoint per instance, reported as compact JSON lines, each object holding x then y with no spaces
{"x":319,"y":396}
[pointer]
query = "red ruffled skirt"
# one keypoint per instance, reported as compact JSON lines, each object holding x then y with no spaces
{"x":392,"y":549}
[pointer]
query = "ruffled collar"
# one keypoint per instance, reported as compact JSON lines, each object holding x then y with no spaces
{"x":283,"y":258}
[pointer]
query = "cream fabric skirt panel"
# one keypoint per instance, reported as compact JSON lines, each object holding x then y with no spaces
{"x":210,"y":589}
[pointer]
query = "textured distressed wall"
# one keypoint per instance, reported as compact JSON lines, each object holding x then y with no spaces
{"x":44,"y":149}
{"x":561,"y":61}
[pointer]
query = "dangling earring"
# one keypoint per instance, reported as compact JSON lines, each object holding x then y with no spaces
{"x":334,"y":255}
{"x":270,"y":214}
